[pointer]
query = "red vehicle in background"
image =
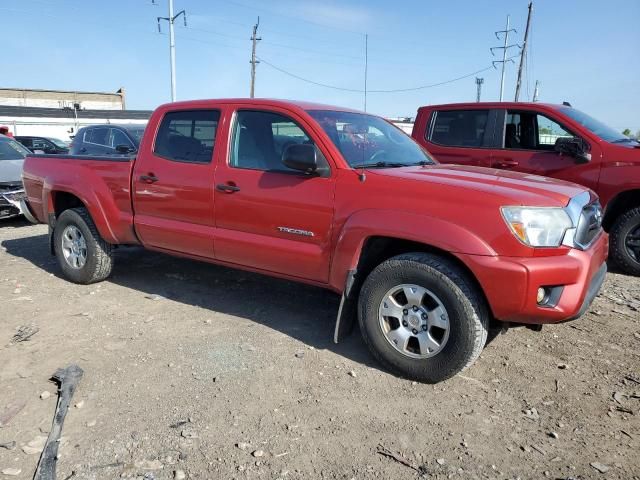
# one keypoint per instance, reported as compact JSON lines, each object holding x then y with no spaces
{"x":551,"y":140}
{"x":4,"y":130}
{"x":428,"y":255}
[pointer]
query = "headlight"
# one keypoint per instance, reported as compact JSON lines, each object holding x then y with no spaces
{"x":536,"y":226}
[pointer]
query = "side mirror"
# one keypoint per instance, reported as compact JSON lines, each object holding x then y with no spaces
{"x":301,"y":157}
{"x":124,"y":149}
{"x":575,"y":147}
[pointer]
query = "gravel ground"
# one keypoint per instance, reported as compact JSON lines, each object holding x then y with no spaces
{"x":198,"y":371}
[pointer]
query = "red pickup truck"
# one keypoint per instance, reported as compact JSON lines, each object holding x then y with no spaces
{"x":552,"y":140}
{"x":429,"y":255}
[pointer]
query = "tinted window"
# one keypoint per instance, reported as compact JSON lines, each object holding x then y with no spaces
{"x":460,"y":128}
{"x":58,"y":143}
{"x":25,"y":141}
{"x":98,"y":136}
{"x":136,"y":134}
{"x":41,"y":144}
{"x":11,"y":150}
{"x":119,"y":138}
{"x":188,"y":136}
{"x":531,"y":131}
{"x":260,"y":138}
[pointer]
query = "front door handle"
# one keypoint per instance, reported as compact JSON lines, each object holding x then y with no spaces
{"x":506,"y":163}
{"x":226,"y":188}
{"x":151,"y":178}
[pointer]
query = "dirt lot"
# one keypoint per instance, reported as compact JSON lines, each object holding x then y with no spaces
{"x":201,"y":371}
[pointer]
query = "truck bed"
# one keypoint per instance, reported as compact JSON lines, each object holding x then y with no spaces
{"x":100,"y":182}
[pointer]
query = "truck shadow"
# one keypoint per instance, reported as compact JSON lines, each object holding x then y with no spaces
{"x":302,"y":312}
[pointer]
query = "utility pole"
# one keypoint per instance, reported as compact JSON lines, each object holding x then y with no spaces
{"x":523,"y":53}
{"x":504,"y":52}
{"x":254,"y":39}
{"x":479,"y":82}
{"x":366,"y":64}
{"x":172,"y":43}
{"x":536,"y":92}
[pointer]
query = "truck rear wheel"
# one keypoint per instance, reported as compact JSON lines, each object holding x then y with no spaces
{"x":82,"y":253}
{"x":625,"y":242}
{"x":422,"y":318}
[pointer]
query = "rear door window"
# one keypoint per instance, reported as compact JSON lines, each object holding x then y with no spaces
{"x":460,"y":128}
{"x":187,"y":136}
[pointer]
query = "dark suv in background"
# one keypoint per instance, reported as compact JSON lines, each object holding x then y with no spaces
{"x":47,"y":145}
{"x":107,"y":140}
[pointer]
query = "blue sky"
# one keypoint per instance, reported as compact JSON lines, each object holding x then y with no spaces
{"x":583,"y":51}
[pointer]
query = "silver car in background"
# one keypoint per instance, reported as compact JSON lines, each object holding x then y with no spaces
{"x":12,"y":156}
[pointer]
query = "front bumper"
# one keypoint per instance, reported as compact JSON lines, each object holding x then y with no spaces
{"x":10,"y":203}
{"x":511,"y":284}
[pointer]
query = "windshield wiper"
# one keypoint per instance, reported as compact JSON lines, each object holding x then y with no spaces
{"x":625,"y":140}
{"x":381,"y":165}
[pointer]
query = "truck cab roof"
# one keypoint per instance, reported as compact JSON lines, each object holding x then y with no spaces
{"x":265,"y":102}
{"x":475,"y":105}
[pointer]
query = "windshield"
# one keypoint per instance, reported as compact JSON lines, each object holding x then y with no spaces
{"x":11,"y":150}
{"x":370,"y":141}
{"x":57,"y":142}
{"x":596,"y":127}
{"x":136,"y":133}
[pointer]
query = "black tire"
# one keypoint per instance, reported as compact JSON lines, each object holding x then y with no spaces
{"x":465,"y":306}
{"x":626,"y":225}
{"x":99,"y":256}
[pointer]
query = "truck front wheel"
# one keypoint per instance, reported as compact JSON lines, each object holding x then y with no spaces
{"x":421,"y":317}
{"x":625,"y":241}
{"x":82,"y":253}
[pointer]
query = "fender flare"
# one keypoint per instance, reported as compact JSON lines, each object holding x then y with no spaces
{"x":430,"y":231}
{"x":97,"y":198}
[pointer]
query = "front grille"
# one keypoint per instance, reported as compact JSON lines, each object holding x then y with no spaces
{"x":589,"y":225}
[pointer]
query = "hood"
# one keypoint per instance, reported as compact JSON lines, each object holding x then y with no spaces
{"x":513,"y":188}
{"x":11,"y":171}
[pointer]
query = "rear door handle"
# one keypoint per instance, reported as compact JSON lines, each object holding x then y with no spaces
{"x":224,"y":187}
{"x":507,"y":163}
{"x":151,"y":178}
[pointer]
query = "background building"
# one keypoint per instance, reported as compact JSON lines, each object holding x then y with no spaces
{"x":59,"y":114}
{"x":24,"y":97}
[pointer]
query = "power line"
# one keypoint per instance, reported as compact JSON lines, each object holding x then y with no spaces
{"x":356,"y":90}
{"x":333,"y":87}
{"x":273,"y":12}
